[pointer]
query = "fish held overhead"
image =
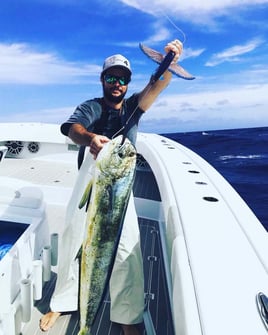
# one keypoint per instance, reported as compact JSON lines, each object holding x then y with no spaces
{"x":109,"y":194}
{"x":162,"y":60}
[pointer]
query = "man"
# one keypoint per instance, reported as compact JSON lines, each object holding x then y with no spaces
{"x":94,"y":123}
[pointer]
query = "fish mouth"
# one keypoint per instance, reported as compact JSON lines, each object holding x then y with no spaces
{"x":122,"y":145}
{"x":123,"y":140}
{"x":120,"y":155}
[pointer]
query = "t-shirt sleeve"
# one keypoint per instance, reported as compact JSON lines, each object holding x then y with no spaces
{"x":84,"y":115}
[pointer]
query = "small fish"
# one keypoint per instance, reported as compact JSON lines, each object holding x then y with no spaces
{"x":175,"y":68}
{"x":109,"y":195}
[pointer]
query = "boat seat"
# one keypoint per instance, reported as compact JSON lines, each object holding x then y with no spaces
{"x":25,"y":202}
{"x":28,"y":196}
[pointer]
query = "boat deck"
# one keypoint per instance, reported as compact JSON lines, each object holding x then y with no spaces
{"x":61,"y":177}
{"x":155,"y":295}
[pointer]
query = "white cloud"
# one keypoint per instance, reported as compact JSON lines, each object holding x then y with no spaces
{"x":238,"y":106}
{"x":19,"y":63}
{"x":188,"y":7}
{"x":191,"y":53}
{"x":217,"y":107}
{"x":52,"y":115}
{"x":161,"y":34}
{"x":232,"y":54}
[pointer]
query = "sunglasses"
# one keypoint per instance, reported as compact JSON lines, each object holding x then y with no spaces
{"x":111,"y":79}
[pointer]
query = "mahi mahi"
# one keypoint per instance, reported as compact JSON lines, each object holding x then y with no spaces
{"x":109,"y":194}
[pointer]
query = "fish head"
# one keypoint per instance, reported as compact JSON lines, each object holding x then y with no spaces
{"x":117,"y":157}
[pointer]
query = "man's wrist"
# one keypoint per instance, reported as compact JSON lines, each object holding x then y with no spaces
{"x":91,"y":136}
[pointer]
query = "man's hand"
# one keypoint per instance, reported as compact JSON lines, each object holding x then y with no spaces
{"x":97,"y":144}
{"x":175,"y":46}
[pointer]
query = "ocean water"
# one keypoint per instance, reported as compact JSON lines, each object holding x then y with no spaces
{"x":9,"y":233}
{"x":241,"y":156}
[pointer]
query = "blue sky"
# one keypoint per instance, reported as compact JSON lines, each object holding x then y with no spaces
{"x":51,"y":53}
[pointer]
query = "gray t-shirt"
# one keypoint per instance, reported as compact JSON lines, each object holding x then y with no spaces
{"x":98,"y":118}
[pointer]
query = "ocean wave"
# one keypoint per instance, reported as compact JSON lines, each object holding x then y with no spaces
{"x":240,"y":155}
{"x":229,"y":157}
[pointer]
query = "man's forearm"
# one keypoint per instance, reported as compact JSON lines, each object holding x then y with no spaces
{"x":151,"y":92}
{"x":79,"y":135}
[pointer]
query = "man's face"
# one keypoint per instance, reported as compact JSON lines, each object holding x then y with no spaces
{"x":114,"y":84}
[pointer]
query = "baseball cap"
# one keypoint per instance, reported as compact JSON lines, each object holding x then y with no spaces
{"x":116,"y":61}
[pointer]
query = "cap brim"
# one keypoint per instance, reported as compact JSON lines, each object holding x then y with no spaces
{"x":117,"y":66}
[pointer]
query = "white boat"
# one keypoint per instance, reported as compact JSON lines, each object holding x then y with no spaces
{"x":205,"y":252}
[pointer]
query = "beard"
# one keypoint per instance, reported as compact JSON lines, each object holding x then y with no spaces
{"x":108,"y":94}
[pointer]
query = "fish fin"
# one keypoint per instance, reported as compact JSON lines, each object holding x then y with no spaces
{"x":154,"y":55}
{"x":158,"y":57}
{"x":86,"y":195}
{"x":180,"y":72}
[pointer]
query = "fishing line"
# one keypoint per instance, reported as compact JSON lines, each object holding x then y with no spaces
{"x":126,"y":123}
{"x":149,"y":88}
{"x":175,"y":26}
{"x":131,"y":115}
{"x":162,"y":68}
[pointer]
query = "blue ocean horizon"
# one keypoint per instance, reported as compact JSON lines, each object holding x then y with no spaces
{"x":241,"y":156}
